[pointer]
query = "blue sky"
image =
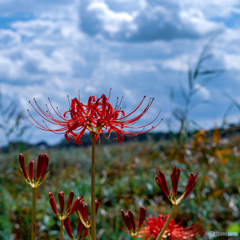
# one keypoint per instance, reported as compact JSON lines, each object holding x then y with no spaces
{"x":136,"y":47}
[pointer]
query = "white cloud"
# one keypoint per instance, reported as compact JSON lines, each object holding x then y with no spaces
{"x":176,"y":64}
{"x":113,"y":22}
{"x":9,"y":68}
{"x":232,"y":61}
{"x":50,"y":56}
{"x":8,"y":38}
{"x":203,"y":92}
{"x":195,"y":19}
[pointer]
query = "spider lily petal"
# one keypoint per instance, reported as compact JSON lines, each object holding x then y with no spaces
{"x":70,"y":200}
{"x":31,"y":170}
{"x":191,"y":184}
{"x":175,"y":179}
{"x":23,"y":167}
{"x":61,"y":202}
{"x":53,"y":203}
{"x":68,"y":227}
{"x":45,"y":162}
{"x":162,"y":183}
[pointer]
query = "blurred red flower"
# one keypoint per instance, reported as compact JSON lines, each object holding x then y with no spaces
{"x":153,"y":226}
{"x":97,"y":116}
{"x":162,"y":183}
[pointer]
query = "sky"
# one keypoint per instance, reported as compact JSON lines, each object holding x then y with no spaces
{"x":136,"y":47}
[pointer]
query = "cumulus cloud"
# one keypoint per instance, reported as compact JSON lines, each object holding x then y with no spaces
{"x":151,"y":21}
{"x":136,"y":47}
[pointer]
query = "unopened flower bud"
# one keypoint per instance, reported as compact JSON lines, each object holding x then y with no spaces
{"x":44,"y":165}
{"x":191,"y":184}
{"x":80,"y":228}
{"x":39,"y":165}
{"x":53,"y":203}
{"x":142,"y":216}
{"x":130,"y":214}
{"x":175,"y":179}
{"x":31,"y":170}
{"x":61,"y":202}
{"x":68,"y":227}
{"x":75,"y":206}
{"x":70,"y":200}
{"x":86,"y":212}
{"x":23,"y":167}
{"x":162,"y":183}
{"x":97,"y":204}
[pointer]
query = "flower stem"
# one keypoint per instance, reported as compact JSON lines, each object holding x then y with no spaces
{"x":89,"y":236}
{"x":93,"y":217}
{"x":159,"y":237}
{"x":33,"y":213}
{"x":61,"y":230}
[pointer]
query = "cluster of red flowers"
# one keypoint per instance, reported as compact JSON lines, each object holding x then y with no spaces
{"x":61,"y":200}
{"x":154,"y":225}
{"x":82,"y":210}
{"x":133,"y":226}
{"x":42,"y":165}
{"x":162,"y":183}
{"x":98,"y":115}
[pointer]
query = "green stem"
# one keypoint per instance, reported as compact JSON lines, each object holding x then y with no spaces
{"x":89,"y":236}
{"x":167,"y":222}
{"x":134,"y":238}
{"x":33,"y":213}
{"x":61,"y":230}
{"x":93,"y":217}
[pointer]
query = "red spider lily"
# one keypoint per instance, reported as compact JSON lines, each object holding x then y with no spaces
{"x":162,"y":183}
{"x":98,"y":115}
{"x":83,"y":213}
{"x":154,"y":225}
{"x":42,"y":165}
{"x":69,"y":211}
{"x":130,"y":222}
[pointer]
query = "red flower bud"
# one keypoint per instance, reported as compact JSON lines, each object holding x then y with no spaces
{"x":31,"y":170}
{"x":70,"y":200}
{"x":68,"y":227}
{"x":127,"y":220}
{"x":53,"y":203}
{"x":191,"y":184}
{"x":61,"y":202}
{"x":142,"y":216}
{"x":175,"y":179}
{"x":86,"y":212}
{"x":130,"y":221}
{"x":97,"y":204}
{"x":85,"y":233}
{"x":44,"y":165}
{"x":39,"y":165}
{"x":130,"y":214}
{"x":80,"y":228}
{"x":23,"y":167}
{"x":81,"y":210}
{"x":75,"y":206}
{"x":124,"y":217}
{"x":162,"y":183}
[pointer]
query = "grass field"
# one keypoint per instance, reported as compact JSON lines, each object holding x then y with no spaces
{"x":126,"y":180}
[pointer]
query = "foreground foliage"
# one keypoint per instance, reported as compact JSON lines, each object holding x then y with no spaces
{"x":126,"y":179}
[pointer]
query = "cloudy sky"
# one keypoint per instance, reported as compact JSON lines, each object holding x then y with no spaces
{"x":136,"y":47}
